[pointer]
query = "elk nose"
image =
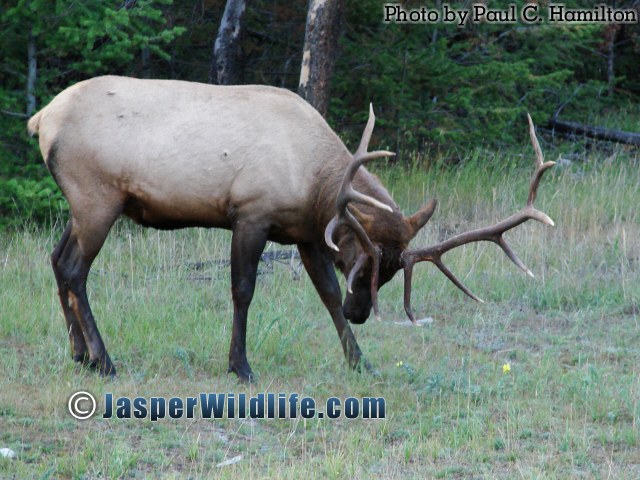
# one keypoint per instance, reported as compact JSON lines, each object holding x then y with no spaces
{"x":357,"y":317}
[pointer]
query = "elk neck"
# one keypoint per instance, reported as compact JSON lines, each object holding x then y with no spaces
{"x":388,"y":229}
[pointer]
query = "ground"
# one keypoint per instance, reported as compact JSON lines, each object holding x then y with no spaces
{"x":541,"y":381}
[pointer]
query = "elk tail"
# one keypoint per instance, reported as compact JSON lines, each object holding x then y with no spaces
{"x":34,"y":124}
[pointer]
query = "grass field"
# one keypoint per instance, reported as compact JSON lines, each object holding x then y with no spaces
{"x":568,"y":407}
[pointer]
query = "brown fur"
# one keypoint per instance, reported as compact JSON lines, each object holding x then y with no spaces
{"x":169,"y":154}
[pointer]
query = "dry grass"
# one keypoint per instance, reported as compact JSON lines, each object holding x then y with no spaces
{"x":567,"y":409}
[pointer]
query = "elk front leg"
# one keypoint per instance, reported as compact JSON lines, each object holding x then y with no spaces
{"x":318,"y":265}
{"x":247,"y":244}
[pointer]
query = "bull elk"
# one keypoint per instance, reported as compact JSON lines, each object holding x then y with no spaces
{"x":257,"y":160}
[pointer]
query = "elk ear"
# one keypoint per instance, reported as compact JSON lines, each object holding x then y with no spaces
{"x":363,"y":219}
{"x":421,"y":217}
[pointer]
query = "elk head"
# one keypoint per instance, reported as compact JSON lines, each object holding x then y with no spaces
{"x":368,"y":265}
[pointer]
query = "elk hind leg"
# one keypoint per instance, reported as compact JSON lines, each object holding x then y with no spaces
{"x":79,"y":350}
{"x":72,"y":263}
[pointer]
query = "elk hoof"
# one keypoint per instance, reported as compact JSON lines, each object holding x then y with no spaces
{"x":244,"y":373}
{"x":364,"y":366}
{"x":103,"y":366}
{"x":82,"y":358}
{"x":107,"y":370}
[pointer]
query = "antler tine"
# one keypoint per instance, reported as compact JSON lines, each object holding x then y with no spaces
{"x":366,"y":134}
{"x":541,"y":166}
{"x":356,"y":266}
{"x":534,"y":142}
{"x":361,"y":152}
{"x":328,"y":233}
{"x":492,"y":233}
{"x":347,"y":195}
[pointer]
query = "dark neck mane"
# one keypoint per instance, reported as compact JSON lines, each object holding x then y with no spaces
{"x":388,"y":228}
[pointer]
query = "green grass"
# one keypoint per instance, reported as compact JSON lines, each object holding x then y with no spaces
{"x":567,"y":409}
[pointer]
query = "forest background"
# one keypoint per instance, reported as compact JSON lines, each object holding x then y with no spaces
{"x":438,"y":90}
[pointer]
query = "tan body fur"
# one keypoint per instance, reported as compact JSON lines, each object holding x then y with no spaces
{"x":170,"y":154}
{"x":186,"y":154}
{"x":257,"y":160}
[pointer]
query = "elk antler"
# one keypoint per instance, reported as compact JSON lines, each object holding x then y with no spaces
{"x":492,"y":234}
{"x":346,"y":195}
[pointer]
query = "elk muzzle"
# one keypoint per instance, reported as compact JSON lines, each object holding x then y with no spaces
{"x":357,"y":305}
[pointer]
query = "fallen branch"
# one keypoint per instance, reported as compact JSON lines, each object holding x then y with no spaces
{"x":288,"y":258}
{"x":269,"y":257}
{"x":600,"y":133}
{"x":15,"y":114}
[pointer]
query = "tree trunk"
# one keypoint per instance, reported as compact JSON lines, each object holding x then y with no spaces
{"x":324,"y":21}
{"x":31,"y":74}
{"x":146,"y":67}
{"x":611,"y":35}
{"x":225,"y":61}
